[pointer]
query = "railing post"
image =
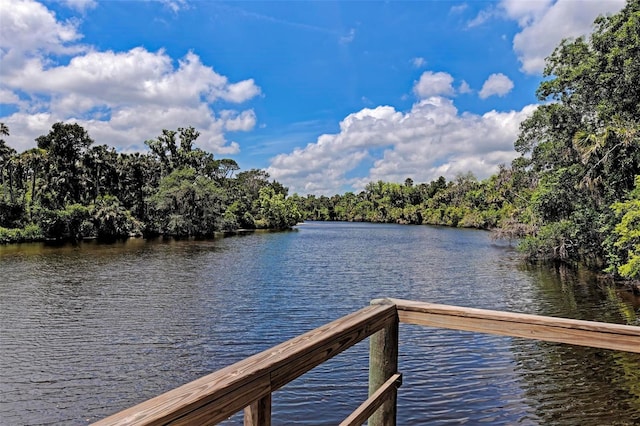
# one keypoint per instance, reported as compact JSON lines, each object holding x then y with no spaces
{"x":383,"y":363}
{"x":259,"y":412}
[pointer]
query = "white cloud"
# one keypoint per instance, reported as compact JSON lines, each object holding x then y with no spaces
{"x":458,"y":8}
{"x":482,"y":17}
{"x":133,"y":76}
{"x":433,"y":84}
{"x":430,"y":140}
{"x":349,"y":37}
{"x":8,"y":97}
{"x":545,"y":23}
{"x":28,"y":26}
{"x":127,"y":128}
{"x":234,"y":122}
{"x":80,"y":5}
{"x":175,"y":5}
{"x":464,"y":88}
{"x":121,"y":98}
{"x":240,"y":92}
{"x":419,"y":62}
{"x":525,"y":12}
{"x":497,"y":84}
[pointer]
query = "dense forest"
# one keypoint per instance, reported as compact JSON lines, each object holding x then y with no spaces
{"x":69,"y":188}
{"x":573,"y":194}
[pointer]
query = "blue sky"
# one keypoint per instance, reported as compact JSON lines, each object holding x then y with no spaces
{"x":326,"y":96}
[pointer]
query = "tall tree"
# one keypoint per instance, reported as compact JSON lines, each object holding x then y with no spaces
{"x":187,"y":204}
{"x":34,"y":160}
{"x":100,"y":164}
{"x":171,"y":154}
{"x":66,"y":145}
{"x":582,"y":145}
{"x":6,"y":155}
{"x":627,"y":233}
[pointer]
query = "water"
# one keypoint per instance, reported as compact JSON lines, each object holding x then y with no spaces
{"x":89,"y":330}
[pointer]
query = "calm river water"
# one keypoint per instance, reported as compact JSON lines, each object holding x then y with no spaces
{"x":89,"y":330}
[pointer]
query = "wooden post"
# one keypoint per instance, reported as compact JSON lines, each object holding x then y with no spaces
{"x":383,"y":363}
{"x":259,"y":412}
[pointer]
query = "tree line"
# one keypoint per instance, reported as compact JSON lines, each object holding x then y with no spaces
{"x":462,"y":202}
{"x":69,"y":188}
{"x":573,"y":194}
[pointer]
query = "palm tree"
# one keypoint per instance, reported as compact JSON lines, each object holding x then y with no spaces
{"x":610,"y":155}
{"x":6,"y":152}
{"x":34,"y":160}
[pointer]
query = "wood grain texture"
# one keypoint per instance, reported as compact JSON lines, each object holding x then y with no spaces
{"x":367,"y":408}
{"x":258,"y":413}
{"x":383,"y":364}
{"x":552,"y":329}
{"x":250,"y":382}
{"x":219,"y":395}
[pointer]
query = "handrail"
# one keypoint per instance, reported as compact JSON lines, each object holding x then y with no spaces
{"x":249,"y":383}
{"x":217,"y":396}
{"x":552,"y":329}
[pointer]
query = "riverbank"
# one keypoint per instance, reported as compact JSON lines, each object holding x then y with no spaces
{"x":33,"y":234}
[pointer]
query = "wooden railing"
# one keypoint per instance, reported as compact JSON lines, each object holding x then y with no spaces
{"x":249,"y":383}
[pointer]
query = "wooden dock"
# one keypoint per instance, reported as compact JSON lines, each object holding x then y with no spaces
{"x":248,"y":384}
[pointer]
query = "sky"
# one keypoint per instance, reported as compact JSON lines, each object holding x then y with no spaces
{"x":325,"y":96}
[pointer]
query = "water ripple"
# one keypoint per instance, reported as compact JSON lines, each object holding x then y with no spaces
{"x":90,"y":330}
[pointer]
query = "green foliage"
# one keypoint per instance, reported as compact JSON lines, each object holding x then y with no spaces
{"x":554,"y":197}
{"x":53,"y":223}
{"x":69,"y":189}
{"x":464,"y":202}
{"x":110,"y":220}
{"x":76,"y":215}
{"x":187,"y":204}
{"x":65,"y":146}
{"x":627,"y":231}
{"x":29,"y":233}
{"x":583,"y":148}
{"x":10,"y":214}
{"x":553,"y":241}
{"x":229,"y":221}
{"x":276,"y":212}
{"x":63,"y":223}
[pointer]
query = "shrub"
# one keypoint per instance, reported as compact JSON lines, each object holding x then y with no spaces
{"x":29,"y":233}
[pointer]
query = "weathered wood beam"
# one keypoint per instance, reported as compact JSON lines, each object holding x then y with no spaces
{"x":552,"y":329}
{"x":367,"y":408}
{"x":259,"y":412}
{"x":383,"y":364}
{"x":215,"y":397}
{"x":250,"y":382}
